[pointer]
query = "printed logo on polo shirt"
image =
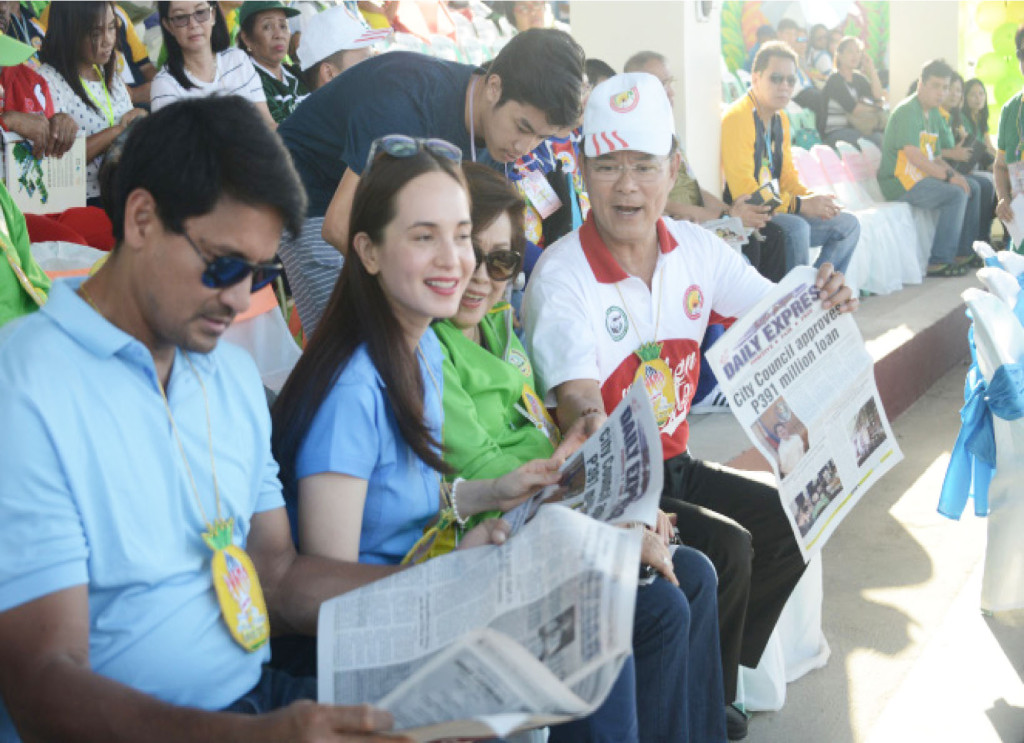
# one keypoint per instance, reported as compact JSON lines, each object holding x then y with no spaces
{"x":520,"y":362}
{"x":616,"y":323}
{"x":626,"y":101}
{"x":693,"y":301}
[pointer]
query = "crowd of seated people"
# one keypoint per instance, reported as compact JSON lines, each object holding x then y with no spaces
{"x":455,"y":238}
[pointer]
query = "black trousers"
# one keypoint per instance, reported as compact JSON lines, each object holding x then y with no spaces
{"x":768,"y":254}
{"x":736,"y":519}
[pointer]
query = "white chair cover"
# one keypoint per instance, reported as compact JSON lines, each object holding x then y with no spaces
{"x":999,"y":340}
{"x":796,"y":646}
{"x":265,"y":335}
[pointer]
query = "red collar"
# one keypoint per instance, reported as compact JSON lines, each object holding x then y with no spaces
{"x":606,"y":269}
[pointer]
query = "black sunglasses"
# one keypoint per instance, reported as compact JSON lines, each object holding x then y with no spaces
{"x":227,"y":270}
{"x":778,"y":79}
{"x":401,"y":146}
{"x":501,"y":265}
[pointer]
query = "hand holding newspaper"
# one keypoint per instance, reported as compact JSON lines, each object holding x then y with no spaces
{"x":801,"y":383}
{"x":489,"y":641}
{"x":616,"y":475}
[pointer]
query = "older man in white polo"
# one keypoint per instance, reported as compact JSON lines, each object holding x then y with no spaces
{"x":628,"y":296}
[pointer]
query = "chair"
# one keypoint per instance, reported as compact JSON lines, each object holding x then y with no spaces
{"x":999,"y":341}
{"x":925,"y":220}
{"x":796,"y":646}
{"x":810,"y":171}
{"x":262,"y":331}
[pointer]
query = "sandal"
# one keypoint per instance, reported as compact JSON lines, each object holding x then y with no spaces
{"x":945,"y":271}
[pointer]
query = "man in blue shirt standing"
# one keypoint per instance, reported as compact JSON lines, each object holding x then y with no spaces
{"x":138,"y":473}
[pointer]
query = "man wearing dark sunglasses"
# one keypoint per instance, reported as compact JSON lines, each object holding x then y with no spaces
{"x":495,"y":114}
{"x":127,"y":429}
{"x":756,"y":153}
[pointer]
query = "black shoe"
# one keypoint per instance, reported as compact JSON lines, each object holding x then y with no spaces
{"x":735,"y":722}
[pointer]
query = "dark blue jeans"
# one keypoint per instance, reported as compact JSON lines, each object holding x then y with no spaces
{"x":670,"y":691}
{"x":275,"y":689}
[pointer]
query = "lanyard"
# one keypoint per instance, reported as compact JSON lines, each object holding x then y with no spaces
{"x":768,"y":149}
{"x":108,"y":110}
{"x":472,"y":126}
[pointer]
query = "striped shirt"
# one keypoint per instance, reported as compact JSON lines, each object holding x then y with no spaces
{"x":235,"y":76}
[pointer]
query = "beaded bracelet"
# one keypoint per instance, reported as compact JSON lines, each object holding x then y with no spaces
{"x":455,"y":505}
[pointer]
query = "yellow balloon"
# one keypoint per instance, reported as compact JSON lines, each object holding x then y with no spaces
{"x":990,"y":14}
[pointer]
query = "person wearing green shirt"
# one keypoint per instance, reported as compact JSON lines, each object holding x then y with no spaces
{"x":913,"y":170}
{"x":23,"y":284}
{"x":264,"y":35}
{"x":1009,"y":144}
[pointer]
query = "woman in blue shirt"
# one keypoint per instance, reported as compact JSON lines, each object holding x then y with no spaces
{"x":357,"y":427}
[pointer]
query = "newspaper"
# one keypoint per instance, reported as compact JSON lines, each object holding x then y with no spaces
{"x":730,"y":230}
{"x":802,"y":385}
{"x":615,"y":476}
{"x":488,"y":641}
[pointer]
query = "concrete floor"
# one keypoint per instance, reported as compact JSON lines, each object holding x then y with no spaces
{"x":912,"y":658}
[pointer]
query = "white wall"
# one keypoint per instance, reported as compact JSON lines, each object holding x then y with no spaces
{"x":919,"y":32}
{"x":614,"y":31}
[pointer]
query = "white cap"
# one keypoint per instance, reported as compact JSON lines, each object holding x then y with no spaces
{"x":628,"y":112}
{"x":334,"y":30}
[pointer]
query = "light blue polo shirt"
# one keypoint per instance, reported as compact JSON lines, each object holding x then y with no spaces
{"x":355,"y":433}
{"x":94,"y":491}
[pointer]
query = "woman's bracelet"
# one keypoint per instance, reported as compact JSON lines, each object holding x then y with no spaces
{"x":590,"y":411}
{"x":455,"y":503}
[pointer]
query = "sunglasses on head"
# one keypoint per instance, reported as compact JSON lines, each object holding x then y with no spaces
{"x":501,"y":265}
{"x":401,"y":146}
{"x":777,"y":79}
{"x":226,"y":270}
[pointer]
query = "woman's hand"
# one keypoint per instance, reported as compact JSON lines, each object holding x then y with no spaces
{"x":654,"y":552}
{"x":512,"y":489}
{"x":130,"y":116}
{"x":491,"y":531}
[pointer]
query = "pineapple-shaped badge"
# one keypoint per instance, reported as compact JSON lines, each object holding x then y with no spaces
{"x":657,"y":379}
{"x":238,"y":587}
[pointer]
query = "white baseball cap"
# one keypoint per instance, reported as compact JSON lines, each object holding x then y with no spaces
{"x":628,"y":112}
{"x":334,"y":30}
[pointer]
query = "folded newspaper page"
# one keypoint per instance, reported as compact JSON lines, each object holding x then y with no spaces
{"x":488,"y":641}
{"x":616,"y":475}
{"x":730,"y":230}
{"x":802,"y":385}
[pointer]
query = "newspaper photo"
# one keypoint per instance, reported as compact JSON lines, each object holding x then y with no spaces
{"x":616,"y":475}
{"x":801,"y":383}
{"x":485,"y":642}
{"x":730,"y":230}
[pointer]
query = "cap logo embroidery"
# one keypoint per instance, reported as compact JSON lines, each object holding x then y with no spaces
{"x":625,"y":101}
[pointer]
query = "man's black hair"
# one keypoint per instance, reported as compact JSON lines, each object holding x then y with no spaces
{"x":542,"y":67}
{"x":598,"y":70}
{"x":192,"y":153}
{"x":787,"y":24}
{"x":936,"y":68}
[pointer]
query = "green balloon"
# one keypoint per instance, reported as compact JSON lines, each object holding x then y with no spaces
{"x":1007,"y":87}
{"x":992,"y":67}
{"x":1002,"y":39}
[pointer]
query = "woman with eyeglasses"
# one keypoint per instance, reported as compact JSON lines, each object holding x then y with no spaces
{"x":264,"y":34}
{"x":79,"y":67}
{"x":495,"y":422}
{"x":358,"y":426}
{"x":200,"y":60}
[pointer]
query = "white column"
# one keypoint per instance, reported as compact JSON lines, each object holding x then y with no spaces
{"x":918,"y":33}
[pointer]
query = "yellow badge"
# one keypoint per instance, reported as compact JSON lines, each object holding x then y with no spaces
{"x":238,"y":588}
{"x":657,"y":379}
{"x":533,"y":408}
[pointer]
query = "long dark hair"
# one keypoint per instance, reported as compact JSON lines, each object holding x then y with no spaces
{"x":492,"y":195}
{"x":979,"y":119}
{"x":69,"y":27}
{"x":219,"y":41}
{"x":358,"y":312}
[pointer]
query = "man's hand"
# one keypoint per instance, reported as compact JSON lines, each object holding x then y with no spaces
{"x":753,"y":216}
{"x":654,"y":552}
{"x":584,"y":427}
{"x":959,"y":180}
{"x":1003,"y":209}
{"x":63,"y":130}
{"x":822,"y":206}
{"x":308,"y":722}
{"x":33,"y":127}
{"x":959,"y":153}
{"x":833,"y":291}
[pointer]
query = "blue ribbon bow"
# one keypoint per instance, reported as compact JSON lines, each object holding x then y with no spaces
{"x":973,"y":461}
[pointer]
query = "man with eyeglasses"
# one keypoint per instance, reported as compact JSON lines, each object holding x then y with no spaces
{"x":756,"y":153}
{"x":628,"y":297}
{"x":137,"y":467}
